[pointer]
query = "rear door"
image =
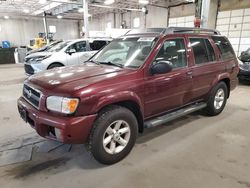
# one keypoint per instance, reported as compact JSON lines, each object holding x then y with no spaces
{"x":205,"y":66}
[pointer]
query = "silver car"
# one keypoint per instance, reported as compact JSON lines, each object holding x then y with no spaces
{"x":71,"y":52}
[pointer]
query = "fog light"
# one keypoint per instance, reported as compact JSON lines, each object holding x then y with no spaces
{"x":58,"y":134}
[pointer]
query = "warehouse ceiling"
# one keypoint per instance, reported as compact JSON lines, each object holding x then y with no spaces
{"x":73,"y":8}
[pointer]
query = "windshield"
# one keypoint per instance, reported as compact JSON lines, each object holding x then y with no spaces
{"x":59,"y":46}
{"x":126,"y":51}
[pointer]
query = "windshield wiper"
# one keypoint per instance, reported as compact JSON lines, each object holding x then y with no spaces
{"x":110,"y":63}
{"x":92,"y":61}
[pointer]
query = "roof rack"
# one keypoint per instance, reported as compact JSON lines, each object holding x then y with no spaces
{"x":148,"y":30}
{"x":172,"y":30}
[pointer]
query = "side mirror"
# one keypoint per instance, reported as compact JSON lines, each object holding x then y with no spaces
{"x":161,"y":67}
{"x":71,"y":51}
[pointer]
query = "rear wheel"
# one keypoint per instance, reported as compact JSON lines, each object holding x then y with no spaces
{"x":54,"y":65}
{"x":114,"y":135}
{"x":217,"y":99}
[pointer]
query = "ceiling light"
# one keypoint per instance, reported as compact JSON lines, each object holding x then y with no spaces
{"x":59,"y":16}
{"x":144,"y":2}
{"x":80,"y":10}
{"x":109,"y":2}
{"x":26,"y":11}
{"x":42,"y":1}
{"x":144,"y":9}
{"x":6,"y":17}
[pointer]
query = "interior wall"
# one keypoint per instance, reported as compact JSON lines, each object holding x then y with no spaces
{"x":20,"y":31}
{"x":156,"y":17}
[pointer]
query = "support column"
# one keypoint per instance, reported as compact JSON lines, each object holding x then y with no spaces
{"x":209,"y":11}
{"x":45,"y":24}
{"x":85,"y":17}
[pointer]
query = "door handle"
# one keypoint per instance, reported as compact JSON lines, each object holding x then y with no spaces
{"x":190,"y":74}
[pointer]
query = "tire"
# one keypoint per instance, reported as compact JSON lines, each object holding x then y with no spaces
{"x":217,"y":99}
{"x":113,"y":151}
{"x":54,"y":65}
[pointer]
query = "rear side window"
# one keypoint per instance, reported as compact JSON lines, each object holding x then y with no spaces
{"x":224,"y":47}
{"x":97,"y":44}
{"x":203,"y":50}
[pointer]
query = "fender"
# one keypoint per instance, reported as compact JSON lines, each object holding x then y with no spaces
{"x":216,"y":80}
{"x":118,"y":97}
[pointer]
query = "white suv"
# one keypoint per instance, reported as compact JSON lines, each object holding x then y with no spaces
{"x":71,"y":52}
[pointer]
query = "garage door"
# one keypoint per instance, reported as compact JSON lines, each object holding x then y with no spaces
{"x":186,"y":21}
{"x":235,"y":24}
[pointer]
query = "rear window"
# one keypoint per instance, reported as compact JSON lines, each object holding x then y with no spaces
{"x":224,"y":47}
{"x":97,"y":44}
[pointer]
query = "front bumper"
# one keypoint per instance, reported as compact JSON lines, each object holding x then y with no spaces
{"x":70,"y":130}
{"x":32,"y":68}
{"x":244,"y":75}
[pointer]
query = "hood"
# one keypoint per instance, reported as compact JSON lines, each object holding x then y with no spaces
{"x":69,"y":78}
{"x":38,"y":54}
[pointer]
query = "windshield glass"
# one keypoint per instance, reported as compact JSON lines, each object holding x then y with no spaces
{"x":126,"y":51}
{"x":59,"y":46}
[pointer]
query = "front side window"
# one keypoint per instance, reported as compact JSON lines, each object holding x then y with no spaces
{"x":203,"y":50}
{"x":173,"y":51}
{"x":126,"y":51}
{"x":224,"y":47}
{"x":80,"y":46}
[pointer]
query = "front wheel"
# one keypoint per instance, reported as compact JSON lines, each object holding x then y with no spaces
{"x":113,"y":135}
{"x":217,"y":99}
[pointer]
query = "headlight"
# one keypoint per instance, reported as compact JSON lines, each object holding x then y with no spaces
{"x":42,"y":58}
{"x":62,"y":104}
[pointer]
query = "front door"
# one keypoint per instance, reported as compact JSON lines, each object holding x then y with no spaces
{"x":80,"y":50}
{"x":164,"y":92}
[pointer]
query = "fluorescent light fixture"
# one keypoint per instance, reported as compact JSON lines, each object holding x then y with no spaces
{"x":144,"y":2}
{"x":42,"y":1}
{"x":26,"y":11}
{"x":47,"y":7}
{"x":144,"y":9}
{"x":109,"y":2}
{"x":59,"y":16}
{"x":6,"y":17}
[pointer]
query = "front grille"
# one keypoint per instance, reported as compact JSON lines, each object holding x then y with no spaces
{"x":31,"y":95}
{"x":28,"y":69}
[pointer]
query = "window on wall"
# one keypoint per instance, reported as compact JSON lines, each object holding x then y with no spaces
{"x":202,"y":49}
{"x":109,"y":25}
{"x":136,"y":22}
{"x":52,"y":29}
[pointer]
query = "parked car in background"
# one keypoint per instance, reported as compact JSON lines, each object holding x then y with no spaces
{"x":44,"y":48}
{"x":140,"y":80}
{"x":71,"y":52}
{"x":244,"y":58}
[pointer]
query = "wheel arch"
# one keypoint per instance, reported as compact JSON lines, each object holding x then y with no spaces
{"x":54,"y":63}
{"x":133,"y":106}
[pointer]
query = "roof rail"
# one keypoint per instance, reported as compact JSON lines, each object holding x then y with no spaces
{"x":171,"y":30}
{"x":147,"y":30}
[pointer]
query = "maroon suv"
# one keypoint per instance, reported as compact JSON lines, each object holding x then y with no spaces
{"x":140,"y":80}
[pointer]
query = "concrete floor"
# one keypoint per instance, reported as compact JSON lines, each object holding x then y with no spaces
{"x":194,"y":151}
